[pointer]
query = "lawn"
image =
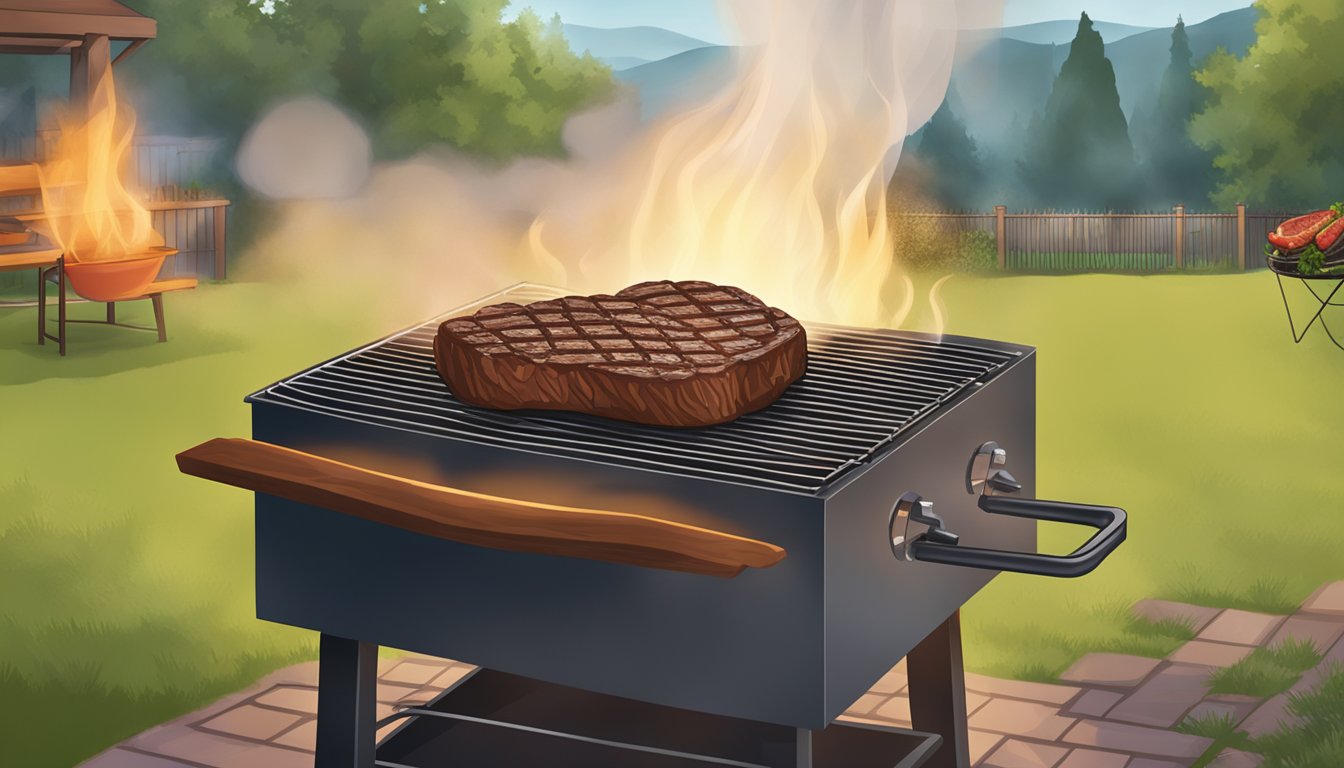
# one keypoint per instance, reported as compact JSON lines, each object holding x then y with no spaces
{"x":126,"y":588}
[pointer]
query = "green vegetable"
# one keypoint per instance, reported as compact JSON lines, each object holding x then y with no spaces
{"x":1312,"y":260}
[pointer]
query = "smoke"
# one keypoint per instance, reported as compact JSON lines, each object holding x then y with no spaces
{"x":776,"y":184}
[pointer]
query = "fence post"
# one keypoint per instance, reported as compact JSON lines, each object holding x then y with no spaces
{"x":1000,"y":234}
{"x":1180,"y":235}
{"x":1241,"y":236}
{"x":221,"y":242}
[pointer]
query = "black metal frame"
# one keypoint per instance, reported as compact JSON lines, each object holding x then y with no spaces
{"x":1320,"y":312}
{"x":347,"y":724}
{"x":56,"y":274}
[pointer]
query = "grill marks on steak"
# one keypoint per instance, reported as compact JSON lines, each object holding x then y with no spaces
{"x":682,"y":354}
{"x":1298,"y":232}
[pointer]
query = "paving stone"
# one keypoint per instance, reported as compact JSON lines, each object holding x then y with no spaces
{"x":415,"y":673}
{"x":1018,"y":689}
{"x":290,"y":697}
{"x":1210,"y":654}
{"x":1021,"y":718}
{"x":1241,"y":627}
{"x":125,"y":758}
{"x":1148,"y":762}
{"x":975,"y":701}
{"x":1137,"y":739}
{"x":1328,"y":600}
{"x":1165,"y":698}
{"x":980,"y":743}
{"x":1320,"y":632}
{"x":215,"y":751}
{"x":389,"y":693}
{"x":304,"y":674}
{"x":1110,"y":669}
{"x":866,"y":703}
{"x":302,"y":736}
{"x":897,"y":708}
{"x":452,"y":675}
{"x":1194,"y":616}
{"x":1094,"y":703}
{"x":1094,"y":758}
{"x":1235,"y":758}
{"x":1269,"y":717}
{"x":251,"y":722}
{"x":1015,"y":753}
{"x":892,"y":682}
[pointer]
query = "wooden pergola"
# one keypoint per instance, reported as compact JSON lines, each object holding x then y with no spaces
{"x":82,"y":29}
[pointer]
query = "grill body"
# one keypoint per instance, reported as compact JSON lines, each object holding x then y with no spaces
{"x":794,"y":644}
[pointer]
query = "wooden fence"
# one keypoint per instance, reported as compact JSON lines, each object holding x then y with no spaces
{"x":1115,"y":242}
{"x":171,"y":173}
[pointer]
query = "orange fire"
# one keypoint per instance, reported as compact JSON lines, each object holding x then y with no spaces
{"x":93,"y":214}
{"x":778,"y":184}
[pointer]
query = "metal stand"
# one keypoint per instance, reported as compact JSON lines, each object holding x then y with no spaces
{"x":346,"y":687}
{"x":1326,"y":301}
{"x":938,"y":693}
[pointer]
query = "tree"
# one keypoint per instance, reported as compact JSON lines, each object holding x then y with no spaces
{"x":416,"y":72}
{"x":1176,"y":169}
{"x":950,"y":156}
{"x":1079,"y":153}
{"x":1274,"y":116}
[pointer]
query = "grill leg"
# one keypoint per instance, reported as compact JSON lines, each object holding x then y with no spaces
{"x":804,"y":748}
{"x":938,"y":693}
{"x":347,"y":676}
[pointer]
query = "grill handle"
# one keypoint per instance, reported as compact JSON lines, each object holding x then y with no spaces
{"x":1110,"y":522}
{"x":475,"y":518}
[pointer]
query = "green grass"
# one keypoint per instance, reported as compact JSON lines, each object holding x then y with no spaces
{"x":126,"y":588}
{"x":1183,"y":399}
{"x":1221,"y":729}
{"x":1266,"y":671}
{"x":1317,"y":741}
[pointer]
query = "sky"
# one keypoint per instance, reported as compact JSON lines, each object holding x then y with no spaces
{"x":700,"y":19}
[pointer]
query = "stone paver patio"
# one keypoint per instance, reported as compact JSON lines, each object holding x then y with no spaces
{"x":1112,"y":710}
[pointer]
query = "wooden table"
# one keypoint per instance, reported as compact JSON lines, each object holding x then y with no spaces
{"x":37,"y":257}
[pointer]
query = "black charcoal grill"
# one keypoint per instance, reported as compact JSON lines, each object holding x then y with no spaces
{"x":754,"y":580}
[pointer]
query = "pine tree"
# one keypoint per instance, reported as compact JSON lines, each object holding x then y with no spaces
{"x":1079,"y":153}
{"x":1176,"y":170}
{"x":949,"y":154}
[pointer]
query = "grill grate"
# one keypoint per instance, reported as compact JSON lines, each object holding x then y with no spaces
{"x":862,"y":389}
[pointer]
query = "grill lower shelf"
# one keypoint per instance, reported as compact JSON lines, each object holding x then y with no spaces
{"x":671,"y":738}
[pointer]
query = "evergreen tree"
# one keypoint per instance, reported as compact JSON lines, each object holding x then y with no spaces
{"x":1079,"y":153}
{"x":950,"y":156}
{"x":1176,"y":170}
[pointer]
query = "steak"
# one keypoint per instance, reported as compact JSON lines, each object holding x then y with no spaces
{"x":1297,"y":233}
{"x":685,"y":354}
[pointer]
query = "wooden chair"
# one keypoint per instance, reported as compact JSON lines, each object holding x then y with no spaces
{"x":40,"y":253}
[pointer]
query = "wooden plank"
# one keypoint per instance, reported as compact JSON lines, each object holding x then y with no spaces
{"x":475,"y":518}
{"x":1001,"y":234}
{"x":1241,"y":236}
{"x":221,"y":230}
{"x":74,"y":19}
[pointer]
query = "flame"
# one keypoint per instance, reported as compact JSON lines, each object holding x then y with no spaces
{"x":778,"y":184}
{"x":93,"y":215}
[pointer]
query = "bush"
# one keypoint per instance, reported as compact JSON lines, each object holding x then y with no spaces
{"x":923,"y":244}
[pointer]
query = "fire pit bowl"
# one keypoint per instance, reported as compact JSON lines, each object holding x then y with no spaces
{"x":116,"y":280}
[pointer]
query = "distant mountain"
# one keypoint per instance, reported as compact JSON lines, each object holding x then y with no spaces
{"x":619,"y":63}
{"x":621,"y":46}
{"x":1062,"y":31}
{"x":686,"y":78}
{"x":1002,"y":81}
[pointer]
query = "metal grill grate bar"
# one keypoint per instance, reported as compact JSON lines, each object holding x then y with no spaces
{"x":861,"y":390}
